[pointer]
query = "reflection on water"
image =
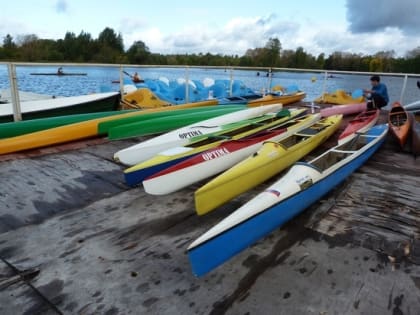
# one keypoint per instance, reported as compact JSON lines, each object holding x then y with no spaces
{"x":100,"y":78}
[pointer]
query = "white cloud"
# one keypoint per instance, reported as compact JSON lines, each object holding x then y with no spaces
{"x":228,"y":33}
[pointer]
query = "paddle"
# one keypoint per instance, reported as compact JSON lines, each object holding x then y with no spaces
{"x":125,"y":72}
{"x":418,"y":84}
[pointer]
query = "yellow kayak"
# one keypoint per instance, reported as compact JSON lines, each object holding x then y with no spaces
{"x":271,"y":159}
{"x":72,"y":132}
{"x":274,"y":99}
{"x":339,"y":97}
{"x":144,"y":98}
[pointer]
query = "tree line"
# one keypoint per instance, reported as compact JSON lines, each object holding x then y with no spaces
{"x":109,"y":48}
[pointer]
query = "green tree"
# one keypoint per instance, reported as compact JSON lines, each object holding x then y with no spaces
{"x":109,"y":47}
{"x":28,"y":48}
{"x":68,"y":47}
{"x":86,"y":46}
{"x":375,"y":65}
{"x":110,"y":39}
{"x":300,"y":58}
{"x":320,"y":61}
{"x":273,"y":47}
{"x":9,"y":47}
{"x":138,"y":53}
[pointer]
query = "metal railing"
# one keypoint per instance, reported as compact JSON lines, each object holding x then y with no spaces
{"x":17,"y":115}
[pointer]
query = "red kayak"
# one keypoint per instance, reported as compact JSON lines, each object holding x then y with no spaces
{"x":361,"y":123}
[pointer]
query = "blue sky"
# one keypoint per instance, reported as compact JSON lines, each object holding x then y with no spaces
{"x":226,"y":27}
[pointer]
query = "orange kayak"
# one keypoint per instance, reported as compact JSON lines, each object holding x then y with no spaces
{"x":275,"y":99}
{"x":399,"y":123}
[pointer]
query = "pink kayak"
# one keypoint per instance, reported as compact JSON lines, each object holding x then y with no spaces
{"x":346,"y":109}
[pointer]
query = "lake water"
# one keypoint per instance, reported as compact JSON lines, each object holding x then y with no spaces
{"x":98,"y":78}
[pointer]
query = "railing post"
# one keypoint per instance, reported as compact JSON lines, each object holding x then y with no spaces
{"x":187,"y":84}
{"x":17,"y":115}
{"x":121,"y":82}
{"x":403,"y":89}
{"x":324,"y":85}
{"x":270,"y":78}
{"x":231,"y":82}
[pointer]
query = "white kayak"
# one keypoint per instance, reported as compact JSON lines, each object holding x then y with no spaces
{"x":218,"y":159}
{"x":301,"y":186}
{"x":145,"y":150}
{"x":54,"y":103}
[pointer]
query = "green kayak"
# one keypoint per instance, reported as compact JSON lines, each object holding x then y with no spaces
{"x":164,"y":124}
{"x":13,"y":129}
{"x":104,"y":127}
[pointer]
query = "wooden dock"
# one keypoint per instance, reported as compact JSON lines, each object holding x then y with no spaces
{"x":74,"y":239}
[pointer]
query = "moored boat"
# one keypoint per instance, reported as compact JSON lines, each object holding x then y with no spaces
{"x":399,"y":123}
{"x":300,"y":187}
{"x":167,"y":123}
{"x":218,"y":159}
{"x":61,"y":106}
{"x":272,"y":158}
{"x":61,"y":134}
{"x":360,"y":123}
{"x":346,"y":109}
{"x":18,"y":128}
{"x":6,"y":96}
{"x":413,"y":107}
{"x":277,"y":125}
{"x":285,"y":99}
{"x":144,"y":98}
{"x":103,"y":128}
{"x":146,"y":149}
{"x":340,"y":97}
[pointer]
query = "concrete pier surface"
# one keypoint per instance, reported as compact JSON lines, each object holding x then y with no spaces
{"x":74,"y":239}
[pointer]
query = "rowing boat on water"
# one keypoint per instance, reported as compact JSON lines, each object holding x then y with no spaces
{"x":300,"y":187}
{"x":58,"y":74}
{"x":137,"y":173}
{"x":146,"y":149}
{"x":272,"y":158}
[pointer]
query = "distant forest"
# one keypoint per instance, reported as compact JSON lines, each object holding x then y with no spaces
{"x":109,"y":48}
